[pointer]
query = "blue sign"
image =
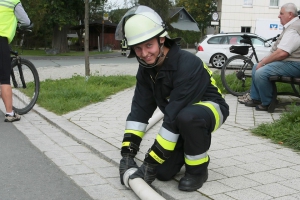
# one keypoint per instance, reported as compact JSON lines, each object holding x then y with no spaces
{"x":273,"y":26}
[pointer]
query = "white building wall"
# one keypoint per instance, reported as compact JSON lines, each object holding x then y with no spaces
{"x":234,"y":15}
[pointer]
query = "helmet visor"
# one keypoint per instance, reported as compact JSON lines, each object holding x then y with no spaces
{"x":142,"y":10}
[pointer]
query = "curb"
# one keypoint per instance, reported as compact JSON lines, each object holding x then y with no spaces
{"x":99,"y":147}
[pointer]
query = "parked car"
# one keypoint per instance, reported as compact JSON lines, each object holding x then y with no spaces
{"x":214,"y":48}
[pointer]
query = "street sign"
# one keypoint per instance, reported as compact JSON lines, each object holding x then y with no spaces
{"x":105,"y":16}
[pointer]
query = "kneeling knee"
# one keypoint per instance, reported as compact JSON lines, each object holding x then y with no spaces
{"x":163,"y":176}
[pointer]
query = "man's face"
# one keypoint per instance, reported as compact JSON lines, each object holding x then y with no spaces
{"x":149,"y":50}
{"x":284,"y":16}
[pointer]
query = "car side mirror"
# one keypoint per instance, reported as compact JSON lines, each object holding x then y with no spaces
{"x":267,"y":44}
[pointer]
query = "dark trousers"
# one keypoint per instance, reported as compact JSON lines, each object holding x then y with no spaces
{"x":195,"y":124}
{"x":5,"y":66}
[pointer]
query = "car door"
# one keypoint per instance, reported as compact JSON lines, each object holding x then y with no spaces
{"x":217,"y":44}
{"x":261,"y":49}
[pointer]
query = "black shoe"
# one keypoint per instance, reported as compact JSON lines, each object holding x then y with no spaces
{"x":192,"y":182}
{"x":252,"y":103}
{"x":262,"y":108}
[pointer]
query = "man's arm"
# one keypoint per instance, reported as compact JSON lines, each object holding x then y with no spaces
{"x":21,"y":15}
{"x":277,"y":55}
{"x":288,"y":44}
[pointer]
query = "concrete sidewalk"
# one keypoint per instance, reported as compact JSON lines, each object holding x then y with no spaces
{"x":242,"y":166}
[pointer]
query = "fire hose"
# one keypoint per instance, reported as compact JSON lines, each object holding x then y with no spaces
{"x":140,"y":187}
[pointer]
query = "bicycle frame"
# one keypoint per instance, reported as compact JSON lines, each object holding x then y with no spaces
{"x":18,"y":58}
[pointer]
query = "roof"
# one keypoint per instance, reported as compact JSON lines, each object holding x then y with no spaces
{"x":174,"y":10}
{"x":191,"y":25}
{"x":98,"y":22}
{"x":185,"y":25}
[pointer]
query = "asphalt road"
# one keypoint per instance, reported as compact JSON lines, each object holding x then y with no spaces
{"x":58,"y":61}
{"x":27,"y":174}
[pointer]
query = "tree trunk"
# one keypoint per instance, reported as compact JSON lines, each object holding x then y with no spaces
{"x":59,"y":40}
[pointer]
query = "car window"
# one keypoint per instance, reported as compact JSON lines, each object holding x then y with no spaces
{"x":234,"y":39}
{"x":257,"y":42}
{"x":216,"y":40}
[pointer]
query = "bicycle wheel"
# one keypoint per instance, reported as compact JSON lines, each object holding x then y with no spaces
{"x":25,"y":85}
{"x":236,"y":75}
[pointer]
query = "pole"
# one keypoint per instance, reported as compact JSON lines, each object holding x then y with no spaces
{"x":102,"y":29}
{"x":86,"y":40}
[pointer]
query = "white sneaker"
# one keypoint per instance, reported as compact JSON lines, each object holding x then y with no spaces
{"x":9,"y":118}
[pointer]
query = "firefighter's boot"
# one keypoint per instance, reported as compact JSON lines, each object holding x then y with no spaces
{"x":192,"y":182}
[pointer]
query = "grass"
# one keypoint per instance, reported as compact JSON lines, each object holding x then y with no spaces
{"x":43,"y":53}
{"x":66,"y":95}
{"x":284,"y":131}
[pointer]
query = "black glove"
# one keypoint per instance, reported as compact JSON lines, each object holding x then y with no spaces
{"x":126,"y":162}
{"x":146,"y":171}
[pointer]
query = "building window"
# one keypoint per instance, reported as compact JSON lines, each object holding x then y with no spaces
{"x":247,"y":2}
{"x":245,"y":29}
{"x":274,"y":3}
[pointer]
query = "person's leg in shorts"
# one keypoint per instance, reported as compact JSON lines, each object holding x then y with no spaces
{"x":6,"y":91}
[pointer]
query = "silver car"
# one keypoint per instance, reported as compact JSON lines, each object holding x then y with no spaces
{"x":214,"y":49}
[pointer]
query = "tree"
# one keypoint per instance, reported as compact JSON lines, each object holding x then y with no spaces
{"x":201,"y":10}
{"x":41,"y":33}
{"x":60,"y":15}
{"x":116,"y":15}
{"x":160,"y":6}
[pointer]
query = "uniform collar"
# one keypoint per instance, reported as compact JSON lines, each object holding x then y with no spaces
{"x":170,"y":62}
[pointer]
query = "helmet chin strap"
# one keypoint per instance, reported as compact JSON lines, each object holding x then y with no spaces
{"x":157,"y":61}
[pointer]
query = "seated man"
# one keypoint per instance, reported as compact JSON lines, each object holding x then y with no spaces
{"x":284,"y":60}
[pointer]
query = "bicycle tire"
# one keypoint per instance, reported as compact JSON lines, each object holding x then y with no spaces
{"x":26,"y":89}
{"x":236,"y":75}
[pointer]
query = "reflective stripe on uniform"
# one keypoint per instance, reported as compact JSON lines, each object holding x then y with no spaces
{"x":156,"y":157}
{"x":7,"y":4}
{"x":136,"y":128}
{"x":125,"y":144}
{"x":215,"y":108}
{"x":167,"y":139}
{"x":137,"y":133}
{"x":156,"y":28}
{"x":196,"y":160}
{"x":212,"y":80}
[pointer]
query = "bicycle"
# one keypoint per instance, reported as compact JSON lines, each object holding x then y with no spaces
{"x":237,"y":70}
{"x":25,"y":83}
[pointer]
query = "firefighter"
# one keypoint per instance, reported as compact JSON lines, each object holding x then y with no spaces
{"x":123,"y":47}
{"x":181,"y":85}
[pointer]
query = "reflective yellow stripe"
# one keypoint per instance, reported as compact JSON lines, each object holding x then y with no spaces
{"x":156,"y":157}
{"x":196,"y":162}
{"x":217,"y":113}
{"x":137,"y":133}
{"x":125,"y":144}
{"x":165,"y":143}
{"x":213,"y":82}
{"x":207,"y":69}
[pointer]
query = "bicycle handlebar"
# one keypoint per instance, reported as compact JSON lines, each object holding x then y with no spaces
{"x":247,"y":38}
{"x":25,"y":28}
{"x":272,"y":38}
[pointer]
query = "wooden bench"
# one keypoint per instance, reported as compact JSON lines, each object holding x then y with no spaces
{"x":293,"y":81}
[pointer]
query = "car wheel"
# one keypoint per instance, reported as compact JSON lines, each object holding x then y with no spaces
{"x":218,"y":60}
